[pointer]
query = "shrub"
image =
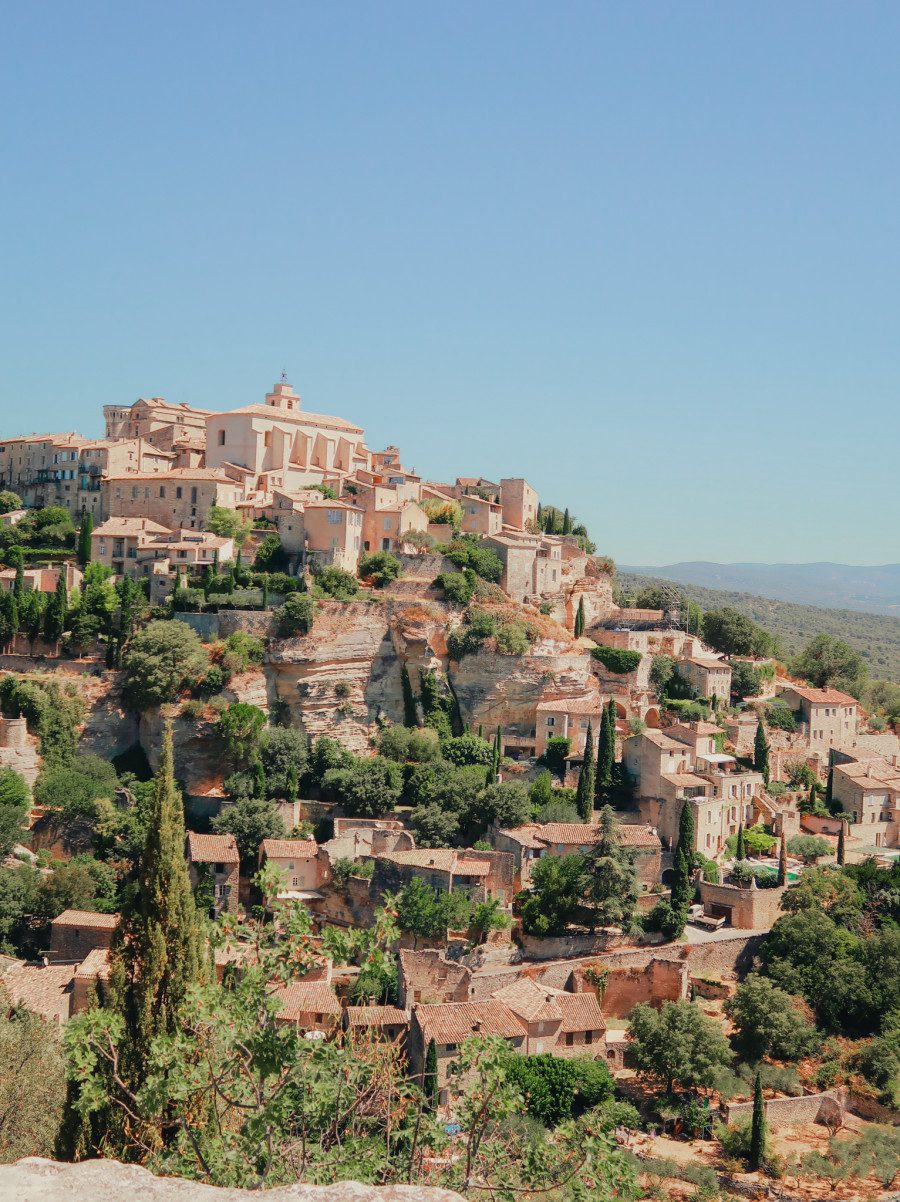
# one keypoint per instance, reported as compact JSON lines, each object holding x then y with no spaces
{"x":270,"y":555}
{"x":380,"y":567}
{"x":337,"y":583}
{"x":443,"y":513}
{"x":514,"y":637}
{"x":469,"y":637}
{"x":468,"y":749}
{"x":246,"y":649}
{"x":781,"y":717}
{"x":456,"y":587}
{"x":161,"y":660}
{"x":468,"y":552}
{"x":614,"y":659}
{"x":296,"y":616}
{"x":192,"y":710}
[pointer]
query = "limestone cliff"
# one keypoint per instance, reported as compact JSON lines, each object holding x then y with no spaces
{"x":37,"y":1180}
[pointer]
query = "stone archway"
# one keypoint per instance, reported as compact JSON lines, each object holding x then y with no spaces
{"x":652,"y":717}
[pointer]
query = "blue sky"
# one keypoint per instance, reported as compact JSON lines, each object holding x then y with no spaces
{"x":646,"y":255}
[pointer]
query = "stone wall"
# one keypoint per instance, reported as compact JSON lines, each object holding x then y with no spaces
{"x":661,"y":981}
{"x":70,"y":943}
{"x":747,"y":909}
{"x":792,"y":1112}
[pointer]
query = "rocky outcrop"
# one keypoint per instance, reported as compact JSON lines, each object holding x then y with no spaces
{"x":37,"y":1180}
{"x":493,"y":688}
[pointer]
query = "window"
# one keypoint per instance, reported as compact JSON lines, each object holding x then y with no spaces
{"x":221,"y":438}
{"x":219,"y":868}
{"x":450,"y":1047}
{"x":178,"y":494}
{"x":334,"y":517}
{"x":570,"y":1039}
{"x":162,"y":490}
{"x":193,"y":496}
{"x":551,"y":721}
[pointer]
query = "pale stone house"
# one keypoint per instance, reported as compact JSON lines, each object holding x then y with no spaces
{"x":180,"y":499}
{"x":302,"y":863}
{"x":709,"y":676}
{"x":869,"y":793}
{"x":480,"y":516}
{"x":42,"y":580}
{"x":826,"y":717}
{"x":479,"y":874}
{"x":532,"y":842}
{"x":519,"y":503}
{"x":158,"y":421}
{"x":568,"y":718}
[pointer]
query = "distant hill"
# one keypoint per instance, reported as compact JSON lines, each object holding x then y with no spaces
{"x":874,"y":590}
{"x":875,"y":636}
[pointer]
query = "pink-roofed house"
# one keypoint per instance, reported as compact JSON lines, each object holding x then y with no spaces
{"x":213,"y":860}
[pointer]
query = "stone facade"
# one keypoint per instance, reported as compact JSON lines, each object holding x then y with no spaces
{"x":75,"y":933}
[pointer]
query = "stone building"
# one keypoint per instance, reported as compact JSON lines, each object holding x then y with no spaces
{"x":214,"y":863}
{"x":826,"y":717}
{"x":478,"y":874}
{"x":869,"y":793}
{"x":428,"y":976}
{"x":17,"y":750}
{"x":531,"y":842}
{"x":302,"y":863}
{"x":75,"y":933}
{"x":746,"y":907}
{"x":568,"y":718}
{"x":179,"y":500}
{"x":709,"y":676}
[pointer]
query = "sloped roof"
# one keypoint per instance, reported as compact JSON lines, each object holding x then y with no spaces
{"x":530,"y":1001}
{"x":86,"y":918}
{"x":305,"y":997}
{"x":376,"y":1016}
{"x":454,"y":1022}
{"x":212,"y":849}
{"x":299,"y":417}
{"x":580,"y":1012}
{"x":822,"y":696}
{"x":290,"y":849}
{"x":43,"y":989}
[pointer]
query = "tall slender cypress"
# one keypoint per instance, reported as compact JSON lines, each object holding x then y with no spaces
{"x":410,"y":713}
{"x":84,"y":539}
{"x":587,"y":779}
{"x":761,"y":751}
{"x":605,"y":757}
{"x":758,"y":1127}
{"x":579,"y":618}
{"x":682,"y":888}
{"x":782,"y":861}
{"x":430,"y":1077}
{"x":841,"y":847}
{"x":157,"y":951}
{"x":566,"y":522}
{"x":741,"y":850}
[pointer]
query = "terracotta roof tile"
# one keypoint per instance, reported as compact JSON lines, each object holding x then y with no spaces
{"x":305,"y":997}
{"x":86,"y":918}
{"x":212,"y":849}
{"x":290,"y":849}
{"x":376,"y":1016}
{"x":454,"y":1022}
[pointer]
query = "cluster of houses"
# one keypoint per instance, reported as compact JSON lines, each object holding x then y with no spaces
{"x":150,"y":483}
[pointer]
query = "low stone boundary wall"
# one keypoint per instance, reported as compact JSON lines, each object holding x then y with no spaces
{"x":792,"y":1112}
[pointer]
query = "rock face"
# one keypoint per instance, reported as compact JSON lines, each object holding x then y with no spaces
{"x":38,"y":1180}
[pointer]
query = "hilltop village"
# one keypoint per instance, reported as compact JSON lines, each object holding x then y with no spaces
{"x":443,"y":798}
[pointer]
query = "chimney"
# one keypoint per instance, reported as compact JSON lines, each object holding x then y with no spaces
{"x":476,"y":1025}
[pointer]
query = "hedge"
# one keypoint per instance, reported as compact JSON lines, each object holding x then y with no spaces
{"x":614,"y":659}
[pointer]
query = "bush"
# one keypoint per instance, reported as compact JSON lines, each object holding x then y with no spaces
{"x":514,"y":638}
{"x":270,"y":555}
{"x":161,"y":660}
{"x":337,"y":583}
{"x":468,"y":638}
{"x":246,"y":649}
{"x":781,"y":717}
{"x":614,"y":659}
{"x":380,"y":567}
{"x":469,"y":552}
{"x":296,"y":616}
{"x":468,"y":749}
{"x":193,"y":710}
{"x":456,"y":587}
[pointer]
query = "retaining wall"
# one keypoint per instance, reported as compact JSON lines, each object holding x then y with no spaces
{"x":792,"y":1112}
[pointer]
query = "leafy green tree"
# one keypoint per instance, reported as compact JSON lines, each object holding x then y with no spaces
{"x":506,"y":804}
{"x":556,"y":898}
{"x":557,"y":752}
{"x":829,"y":890}
{"x":745,"y":679}
{"x":661,"y":671}
{"x":13,"y":808}
{"x":761,"y":751}
{"x":827,"y":660}
{"x":758,"y":1127}
{"x":250,"y":820}
{"x":612,"y":887}
{"x":32,"y":1083}
{"x":85,"y":531}
{"x":283,"y":752}
{"x":541,"y":793}
{"x":296,"y":616}
{"x":548,"y":1085}
{"x":488,"y":916}
{"x":809,"y":847}
{"x":676,"y":1044}
{"x":228,"y":523}
{"x":729,"y":631}
{"x":9,"y":501}
{"x":380,"y":567}
{"x":75,"y":786}
{"x":18,"y":888}
{"x":270,"y":555}
{"x":426,"y":913}
{"x":368,"y":788}
{"x":584,"y":795}
{"x":240,"y":727}
{"x":682,"y":893}
{"x":161,"y":660}
{"x":768,"y":1021}
{"x":579,"y":618}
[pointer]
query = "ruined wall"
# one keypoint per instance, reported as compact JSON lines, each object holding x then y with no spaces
{"x":661,"y":981}
{"x":792,"y":1112}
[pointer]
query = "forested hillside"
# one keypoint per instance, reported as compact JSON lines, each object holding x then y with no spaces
{"x":875,"y":636}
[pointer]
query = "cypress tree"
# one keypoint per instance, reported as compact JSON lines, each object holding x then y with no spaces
{"x":579,"y":618}
{"x":587,"y":779}
{"x":605,"y":757}
{"x":758,"y":1127}
{"x":430,"y":1078}
{"x":682,"y":888}
{"x":761,"y":751}
{"x":57,"y":607}
{"x":157,"y":950}
{"x":19,"y":582}
{"x":410,"y":714}
{"x":566,"y":522}
{"x":265,"y":592}
{"x":292,"y":788}
{"x":259,"y":778}
{"x":813,"y":796}
{"x":84,"y":539}
{"x":782,"y":861}
{"x":741,"y":850}
{"x":841,"y":848}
